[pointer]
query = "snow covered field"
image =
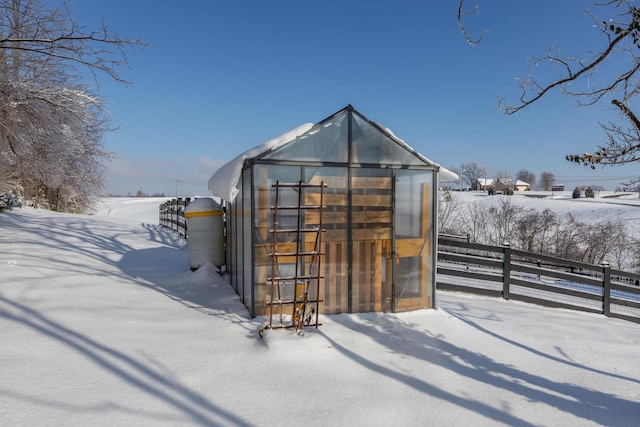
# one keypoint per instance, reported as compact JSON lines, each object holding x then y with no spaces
{"x":103,"y":323}
{"x":607,"y":205}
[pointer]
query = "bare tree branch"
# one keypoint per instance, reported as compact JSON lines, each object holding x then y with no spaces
{"x":461,"y":14}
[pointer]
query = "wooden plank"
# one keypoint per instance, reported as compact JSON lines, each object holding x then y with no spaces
{"x":377,"y":276}
{"x":378,"y":233}
{"x":328,"y":199}
{"x":408,"y":247}
{"x":331,"y":276}
{"x":343,"y":264}
{"x":409,"y":304}
{"x":328,"y":217}
{"x":367,"y":284}
{"x":355,"y":278}
{"x":374,"y":200}
{"x":341,"y":217}
{"x":371,"y":182}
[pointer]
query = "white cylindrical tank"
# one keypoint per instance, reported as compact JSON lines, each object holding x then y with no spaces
{"x":205,"y":231}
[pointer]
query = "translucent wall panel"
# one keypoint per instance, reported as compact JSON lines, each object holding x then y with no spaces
{"x":246,"y":237}
{"x":334,"y":288}
{"x":371,"y":221}
{"x":371,"y":146}
{"x":326,"y":142}
{"x":238,"y":269}
{"x":265,"y":176}
{"x":414,"y":239}
{"x":232,"y":242}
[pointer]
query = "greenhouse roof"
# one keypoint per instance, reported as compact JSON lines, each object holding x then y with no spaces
{"x":328,"y":142}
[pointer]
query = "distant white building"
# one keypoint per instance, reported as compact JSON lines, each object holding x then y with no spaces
{"x":501,"y":184}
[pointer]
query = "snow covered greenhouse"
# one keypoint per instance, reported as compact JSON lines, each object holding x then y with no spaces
{"x":344,"y":206}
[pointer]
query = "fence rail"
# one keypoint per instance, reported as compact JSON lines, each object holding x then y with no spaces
{"x":172,"y":215}
{"x":540,"y":279}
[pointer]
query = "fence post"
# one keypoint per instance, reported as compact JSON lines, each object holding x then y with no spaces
{"x":606,"y":288}
{"x":184,"y":216}
{"x":175,"y":216}
{"x":506,"y":269}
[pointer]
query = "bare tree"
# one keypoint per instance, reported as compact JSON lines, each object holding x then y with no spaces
{"x":502,"y":220}
{"x":503,"y":175}
{"x":547,"y":179}
{"x":619,"y":25}
{"x":449,"y":207}
{"x":51,"y":124}
{"x":471,"y":172}
{"x":526,"y":176}
{"x":473,"y":223}
{"x":52,"y":35}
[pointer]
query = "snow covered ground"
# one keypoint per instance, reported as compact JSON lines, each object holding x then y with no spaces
{"x":607,"y":205}
{"x":103,"y":323}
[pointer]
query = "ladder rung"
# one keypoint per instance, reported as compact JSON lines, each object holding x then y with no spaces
{"x":278,"y":302}
{"x":297,"y":184}
{"x":299,"y":278}
{"x":294,"y":230}
{"x":296,"y":253}
{"x":302,"y":207}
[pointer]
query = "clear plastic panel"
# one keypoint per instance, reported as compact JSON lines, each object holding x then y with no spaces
{"x":265,"y":176}
{"x":414,"y":239}
{"x":334,"y":288}
{"x":246,"y":231}
{"x":371,"y":219}
{"x":371,"y":146}
{"x":326,"y":142}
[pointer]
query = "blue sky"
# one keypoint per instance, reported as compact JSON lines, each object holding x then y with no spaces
{"x":221,"y":77}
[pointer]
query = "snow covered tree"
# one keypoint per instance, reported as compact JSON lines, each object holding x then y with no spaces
{"x":51,"y":124}
{"x":582,"y":79}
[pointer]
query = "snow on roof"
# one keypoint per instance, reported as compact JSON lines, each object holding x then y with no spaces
{"x":225,"y":181}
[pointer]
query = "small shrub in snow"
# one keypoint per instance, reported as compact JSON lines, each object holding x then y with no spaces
{"x":8,"y":201}
{"x":589,"y":193}
{"x":576,"y":193}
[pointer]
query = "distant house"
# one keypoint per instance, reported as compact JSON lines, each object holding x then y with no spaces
{"x":483,"y":184}
{"x":558,"y":187}
{"x":500,"y":185}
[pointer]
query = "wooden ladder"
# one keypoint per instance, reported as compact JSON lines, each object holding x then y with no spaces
{"x":294,"y":297}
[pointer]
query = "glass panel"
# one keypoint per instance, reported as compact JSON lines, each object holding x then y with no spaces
{"x":265,"y":176}
{"x":239,"y":242}
{"x":326,"y":142}
{"x":371,"y":218}
{"x":231,"y":244}
{"x":334,"y":288}
{"x":409,"y":277}
{"x":371,"y":146}
{"x":246,"y":234}
{"x":414,"y":264}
